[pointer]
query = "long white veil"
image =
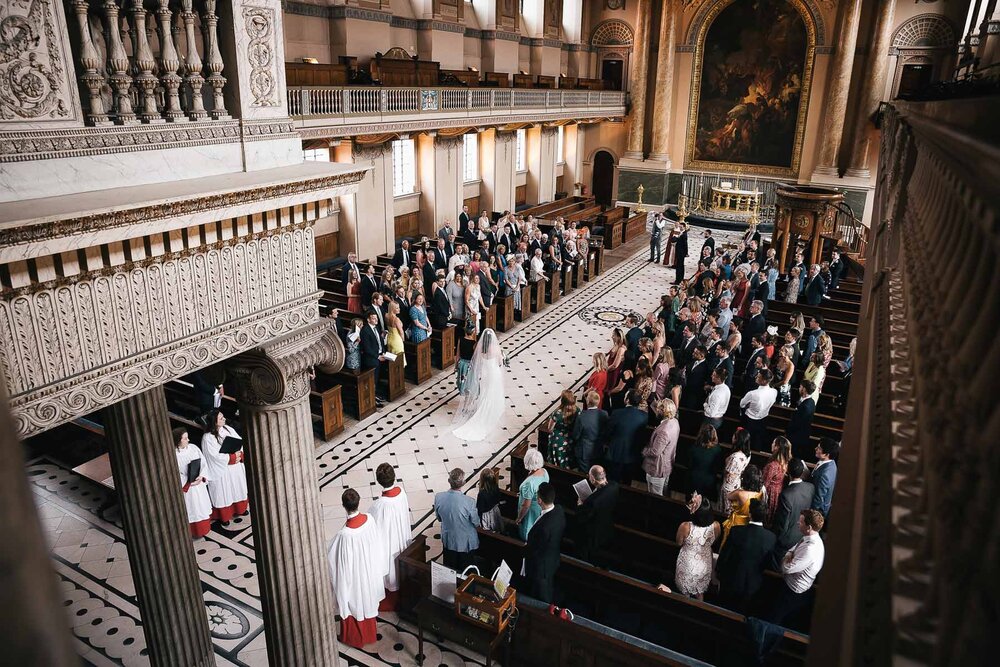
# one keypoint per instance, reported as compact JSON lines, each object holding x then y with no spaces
{"x":483,"y":399}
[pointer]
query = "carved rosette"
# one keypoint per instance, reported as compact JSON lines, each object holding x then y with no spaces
{"x":277,"y":373}
{"x":33,"y":78}
{"x":259,"y":25}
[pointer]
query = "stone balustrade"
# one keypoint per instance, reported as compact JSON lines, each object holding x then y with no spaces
{"x":149,"y":61}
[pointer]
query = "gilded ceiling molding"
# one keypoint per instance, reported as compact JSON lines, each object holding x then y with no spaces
{"x":815,"y":18}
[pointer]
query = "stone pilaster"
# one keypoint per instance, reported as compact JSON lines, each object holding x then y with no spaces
{"x":664,"y":83}
{"x":637,"y":85}
{"x":873,"y":89}
{"x":838,"y":90}
{"x":296,"y":592}
{"x":156,"y":531}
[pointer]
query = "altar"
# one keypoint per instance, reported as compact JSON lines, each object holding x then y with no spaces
{"x":734,"y":204}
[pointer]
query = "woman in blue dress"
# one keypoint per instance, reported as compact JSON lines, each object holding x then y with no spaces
{"x":420,"y":330}
{"x":527,"y":494}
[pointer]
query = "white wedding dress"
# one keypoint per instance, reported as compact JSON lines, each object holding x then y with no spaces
{"x":483,"y":401}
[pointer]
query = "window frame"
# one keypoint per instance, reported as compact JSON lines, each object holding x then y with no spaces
{"x":471,"y":137}
{"x":521,"y":150}
{"x":406,"y":150}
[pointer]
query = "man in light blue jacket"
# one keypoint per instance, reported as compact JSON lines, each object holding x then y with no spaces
{"x":824,"y":475}
{"x":459,"y":520}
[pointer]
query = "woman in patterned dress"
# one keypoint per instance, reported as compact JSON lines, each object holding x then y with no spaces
{"x":751,"y":488}
{"x":774,"y":475}
{"x":735,"y":464}
{"x":420,"y":329}
{"x":693,"y":573}
{"x":560,"y":452}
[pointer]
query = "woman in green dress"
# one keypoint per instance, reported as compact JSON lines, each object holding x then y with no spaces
{"x":528,"y":509}
{"x":562,"y":420}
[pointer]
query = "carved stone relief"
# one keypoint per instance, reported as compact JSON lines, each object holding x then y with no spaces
{"x":73,"y":348}
{"x":259,"y":25}
{"x":35,"y":72}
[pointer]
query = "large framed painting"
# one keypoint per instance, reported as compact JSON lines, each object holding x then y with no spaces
{"x":750,"y":90}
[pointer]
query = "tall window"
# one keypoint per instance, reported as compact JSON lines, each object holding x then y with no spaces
{"x":316,"y":154}
{"x":560,"y":155}
{"x":404,"y":172}
{"x":470,"y":157}
{"x":521,"y":163}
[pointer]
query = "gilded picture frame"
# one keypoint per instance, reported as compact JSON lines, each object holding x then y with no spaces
{"x":690,"y":163}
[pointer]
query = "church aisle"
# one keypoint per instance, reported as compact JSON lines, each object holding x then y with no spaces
{"x":548,"y":353}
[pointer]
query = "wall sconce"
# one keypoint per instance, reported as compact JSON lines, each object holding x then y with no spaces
{"x":310,"y":61}
{"x":473,"y":69}
{"x":521,"y":72}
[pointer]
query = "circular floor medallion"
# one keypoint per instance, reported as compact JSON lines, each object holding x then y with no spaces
{"x":606,"y":316}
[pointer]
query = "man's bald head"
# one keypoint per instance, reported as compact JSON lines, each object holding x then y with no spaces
{"x":597,"y":476}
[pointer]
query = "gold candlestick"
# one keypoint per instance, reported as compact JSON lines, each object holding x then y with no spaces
{"x":639,"y":208}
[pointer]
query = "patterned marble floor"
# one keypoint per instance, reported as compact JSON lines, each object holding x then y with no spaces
{"x":548,"y":353}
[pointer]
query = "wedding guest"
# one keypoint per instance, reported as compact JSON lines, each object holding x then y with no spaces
{"x":792,"y":289}
{"x":751,"y":488}
{"x":717,"y":401}
{"x":354,"y":293}
{"x":795,"y":497}
{"x":774,"y":475}
{"x":824,"y":474}
{"x":456,"y":296}
{"x":799,"y":568}
{"x":756,"y":406}
{"x":542,"y":553}
{"x":561,"y":422}
{"x":589,"y":431}
{"x":459,"y":520}
{"x":466,"y":348}
{"x":196,"y":498}
{"x":420,"y":328}
{"x":440,"y":306}
{"x":735,"y":464}
{"x":528,"y":509}
{"x":488,"y":499}
{"x":743,"y":559}
{"x":704,"y":459}
{"x":658,"y":456}
{"x":693,"y":572}
{"x":595,"y":516}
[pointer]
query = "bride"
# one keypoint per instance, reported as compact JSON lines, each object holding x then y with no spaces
{"x":482,"y":401}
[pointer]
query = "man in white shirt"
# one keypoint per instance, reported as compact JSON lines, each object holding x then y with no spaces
{"x":756,"y":406}
{"x":799,"y":568}
{"x":391,"y":512}
{"x":359,"y":562}
{"x":718,"y":399}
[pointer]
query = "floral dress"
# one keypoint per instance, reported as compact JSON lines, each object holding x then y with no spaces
{"x":694,"y":561}
{"x":418,"y":314}
{"x":774,"y":482}
{"x":559,"y":449}
{"x":353,"y":360}
{"x":735,"y":464}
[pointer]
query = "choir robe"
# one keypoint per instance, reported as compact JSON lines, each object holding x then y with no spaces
{"x":227,"y":477}
{"x":359,"y":562}
{"x":199,"y":505}
{"x":392,"y":515}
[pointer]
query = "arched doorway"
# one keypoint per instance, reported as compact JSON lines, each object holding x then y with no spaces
{"x":604,"y":176}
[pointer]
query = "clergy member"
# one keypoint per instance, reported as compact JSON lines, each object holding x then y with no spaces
{"x":196,"y":500}
{"x":392,"y":515}
{"x":227,"y":476}
{"x":359,"y":562}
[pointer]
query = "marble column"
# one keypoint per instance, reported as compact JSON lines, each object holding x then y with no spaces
{"x":873,"y":89}
{"x":296,"y":592}
{"x":664,"y":83}
{"x":637,"y":86}
{"x":32,"y":615}
{"x":157,"y":536}
{"x":838,"y":90}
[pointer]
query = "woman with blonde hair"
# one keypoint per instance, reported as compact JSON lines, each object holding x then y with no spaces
{"x":658,"y":456}
{"x":659,"y":337}
{"x":661,"y":372}
{"x":824,"y":344}
{"x":598,"y":380}
{"x":394,"y":328}
{"x":615,"y":358}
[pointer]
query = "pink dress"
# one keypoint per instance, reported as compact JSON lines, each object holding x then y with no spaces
{"x":774,"y":482}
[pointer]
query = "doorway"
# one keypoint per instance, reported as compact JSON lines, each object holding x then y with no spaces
{"x":611,"y":74}
{"x":604,"y":176}
{"x":913,"y":79}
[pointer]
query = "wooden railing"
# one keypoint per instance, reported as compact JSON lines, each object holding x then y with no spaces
{"x":913,"y":538}
{"x":852,"y":234}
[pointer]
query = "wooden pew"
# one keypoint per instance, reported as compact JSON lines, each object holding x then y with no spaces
{"x":393,"y":377}
{"x":505,"y":312}
{"x":537,"y":298}
{"x":595,"y":266}
{"x":418,"y":360}
{"x":489,"y":318}
{"x":568,"y":278}
{"x":552,"y":289}
{"x":358,"y":391}
{"x":327,"y":409}
{"x":635,"y":226}
{"x":443,"y":346}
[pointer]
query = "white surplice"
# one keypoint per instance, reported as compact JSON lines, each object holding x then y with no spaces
{"x":227,"y":483}
{"x":392,"y":515}
{"x":199,"y":505}
{"x":359,"y":562}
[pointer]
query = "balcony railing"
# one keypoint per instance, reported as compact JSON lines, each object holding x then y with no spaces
{"x":332,"y":102}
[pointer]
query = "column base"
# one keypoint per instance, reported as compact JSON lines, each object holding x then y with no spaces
{"x":635,"y":156}
{"x":858,"y":173}
{"x":660,"y":161}
{"x":824,"y":172}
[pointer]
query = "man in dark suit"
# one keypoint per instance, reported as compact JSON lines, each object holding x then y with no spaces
{"x":345,"y":273}
{"x":589,"y":430}
{"x":757,"y":351}
{"x":709,"y":242}
{"x":755,"y":325}
{"x":814,"y":287}
{"x":369,"y":284}
{"x":372,"y":350}
{"x":463,"y":220}
{"x":544,"y":546}
{"x":800,"y":425}
{"x":626,"y":438}
{"x":824,"y":474}
{"x":404,"y":307}
{"x":723,"y":360}
{"x":507,"y":239}
{"x":836,"y":269}
{"x":377,"y":308}
{"x":632,"y":337}
{"x":796,"y":496}
{"x":439,"y":309}
{"x":449,"y":249}
{"x":680,"y":253}
{"x":655,"y":234}
{"x":696,"y":375}
{"x":595,"y":519}
{"x":429,"y":268}
{"x":743,"y":559}
{"x":812,"y":338}
{"x":402,"y":256}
